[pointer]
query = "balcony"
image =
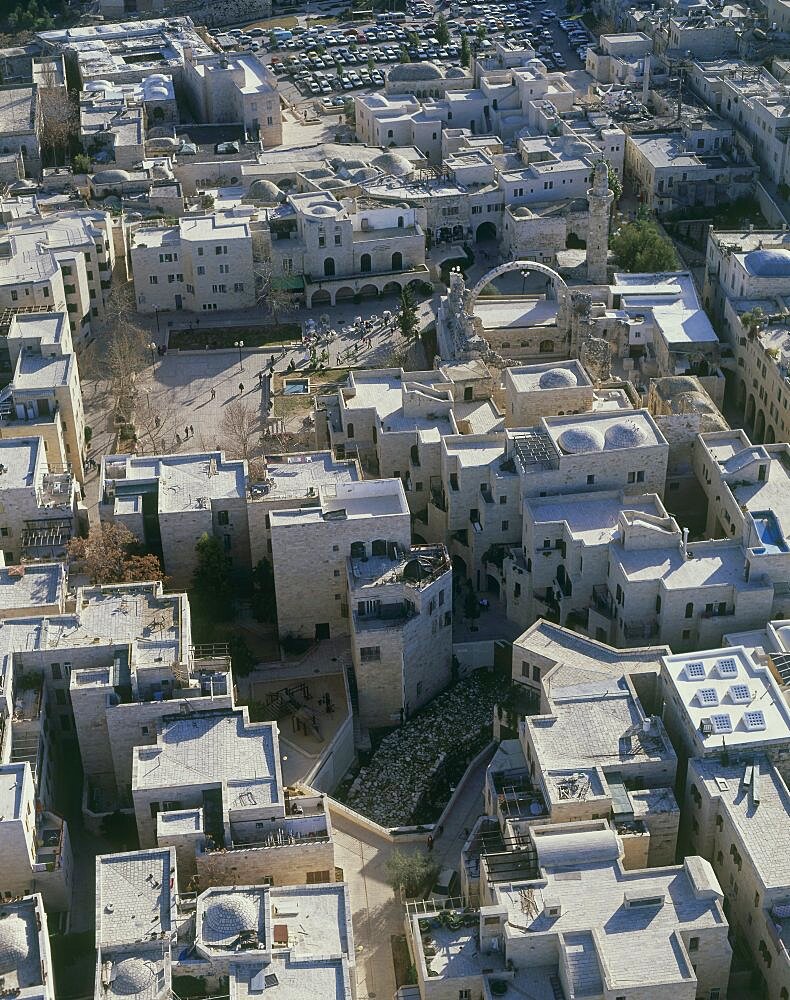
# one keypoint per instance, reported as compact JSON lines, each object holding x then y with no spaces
{"x":641,"y":630}
{"x":49,"y":842}
{"x":604,"y":602}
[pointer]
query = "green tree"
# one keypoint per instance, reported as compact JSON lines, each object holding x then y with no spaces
{"x":481,"y":31}
{"x":242,"y":660}
{"x":371,"y":64}
{"x":211,"y":580}
{"x":404,"y":55}
{"x":407,"y":317}
{"x":442,"y":31}
{"x":81,"y":164}
{"x":615,"y":185}
{"x":466,"y":52}
{"x":640,"y":248}
{"x":413,"y":873}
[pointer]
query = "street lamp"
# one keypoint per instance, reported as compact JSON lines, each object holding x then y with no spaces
{"x":524,"y":276}
{"x":240,"y":345}
{"x":152,"y":348}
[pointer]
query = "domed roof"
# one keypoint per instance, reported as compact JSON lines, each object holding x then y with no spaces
{"x":263,"y":190}
{"x":393,"y":163}
{"x":354,"y":164}
{"x":455,"y":73}
{"x":157,"y":78}
{"x":377,"y":100}
{"x":232,"y":914}
{"x":415,"y":71}
{"x":316,"y":173}
{"x":625,"y":434}
{"x":14,"y":945}
{"x":111,"y":176}
{"x":132,"y":976}
{"x":577,"y":440}
{"x":363,"y":174}
{"x":768,"y":263}
{"x":557,"y":378}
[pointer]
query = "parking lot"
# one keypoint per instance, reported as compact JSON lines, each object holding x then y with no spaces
{"x":330,"y":63}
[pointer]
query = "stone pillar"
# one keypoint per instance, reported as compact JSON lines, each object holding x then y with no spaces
{"x":599,"y":200}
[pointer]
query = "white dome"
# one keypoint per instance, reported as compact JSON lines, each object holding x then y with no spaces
{"x":577,"y":440}
{"x":231,"y":915}
{"x":132,"y":976}
{"x":772,"y":263}
{"x":14,"y":945}
{"x":557,"y":378}
{"x":625,"y":434}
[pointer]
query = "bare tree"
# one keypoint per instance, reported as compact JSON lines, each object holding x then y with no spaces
{"x":126,"y":351}
{"x":278,"y":301}
{"x":240,"y":424}
{"x":59,"y":113}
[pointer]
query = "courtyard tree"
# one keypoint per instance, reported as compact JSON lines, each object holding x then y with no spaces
{"x":640,"y":248}
{"x":112,"y":554}
{"x":123,"y":352}
{"x":615,"y":184}
{"x":278,"y":301}
{"x":59,"y":114}
{"x":407,"y":317}
{"x":241,"y":425}
{"x":410,"y":873}
{"x":466,"y":52}
{"x":211,"y":584}
{"x":442,"y":31}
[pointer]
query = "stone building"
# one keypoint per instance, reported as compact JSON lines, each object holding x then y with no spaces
{"x":45,"y":396}
{"x":170,"y":501}
{"x":546,"y":390}
{"x":62,"y":261}
{"x":345,"y":248}
{"x":313,"y":543}
{"x":20,"y":125}
{"x":211,"y":787}
{"x":25,"y":956}
{"x":581,"y":923}
{"x":40,"y":503}
{"x":188,"y":265}
{"x":295,"y":940}
{"x":401,"y":629}
{"x":599,"y":199}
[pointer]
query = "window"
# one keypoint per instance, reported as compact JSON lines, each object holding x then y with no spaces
{"x":690,"y":609}
{"x":313,"y":878}
{"x":694,"y":944}
{"x":349,"y":430}
{"x":505,"y":525}
{"x":200,"y":251}
{"x":201,"y":269}
{"x":715,"y":993}
{"x":631,"y":477}
{"x":322,"y":240}
{"x":464,"y":995}
{"x":223,"y":517}
{"x":60,"y":696}
{"x":365,"y":263}
{"x":338,"y":239}
{"x":224,"y":268}
{"x":227,"y":541}
{"x":535,"y":672}
{"x":14,"y":295}
{"x":57,"y":674}
{"x":152,"y":279}
{"x":219,"y":250}
{"x":238,"y":286}
{"x":370,"y":654}
{"x":590,"y":480}
{"x":640,"y":476}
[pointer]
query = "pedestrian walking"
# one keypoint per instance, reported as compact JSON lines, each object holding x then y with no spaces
{"x":186,"y":432}
{"x":430,"y":842}
{"x":191,"y":431}
{"x":241,"y":388}
{"x":178,"y":438}
{"x":213,"y":393}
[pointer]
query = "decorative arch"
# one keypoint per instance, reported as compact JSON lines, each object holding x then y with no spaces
{"x":560,"y":288}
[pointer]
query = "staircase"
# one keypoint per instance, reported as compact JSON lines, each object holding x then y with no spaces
{"x":556,"y":988}
{"x":581,"y":956}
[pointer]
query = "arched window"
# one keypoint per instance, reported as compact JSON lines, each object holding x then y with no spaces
{"x":357,"y":550}
{"x":329,"y":267}
{"x":690,"y":610}
{"x":379,"y":547}
{"x":400,"y":222}
{"x":365,"y":262}
{"x":349,"y":430}
{"x":397,"y":261}
{"x":547,"y":347}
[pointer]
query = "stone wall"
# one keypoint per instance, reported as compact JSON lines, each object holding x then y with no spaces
{"x":250,"y":865}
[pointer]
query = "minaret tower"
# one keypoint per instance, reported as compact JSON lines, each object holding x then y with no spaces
{"x":599,"y":200}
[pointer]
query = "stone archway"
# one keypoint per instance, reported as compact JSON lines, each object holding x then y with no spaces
{"x":759,"y":428}
{"x":559,"y":286}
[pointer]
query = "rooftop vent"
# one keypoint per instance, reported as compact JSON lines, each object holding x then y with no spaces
{"x":754,"y":721}
{"x":708,"y":697}
{"x":695,"y":672}
{"x":740,"y":694}
{"x":722,"y":723}
{"x":727,"y":668}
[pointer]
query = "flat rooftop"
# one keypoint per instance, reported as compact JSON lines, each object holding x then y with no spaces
{"x":185,"y":482}
{"x":12,"y":778}
{"x":213,"y":748}
{"x":297,"y":978}
{"x":596,"y":723}
{"x":135,"y":896}
{"x":739,"y":701}
{"x":764,"y":826}
{"x":712,"y":563}
{"x":690,"y":899}
{"x":36,"y":373}
{"x":382,"y":390}
{"x":17,"y":110}
{"x":371,"y":498}
{"x":475,"y":451}
{"x":517,"y":313}
{"x":592,"y":518}
{"x":31,"y":585}
{"x":302,"y":475}
{"x":317,"y":918}
{"x":671,"y":299}
{"x":19,"y":458}
{"x":24,"y":967}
